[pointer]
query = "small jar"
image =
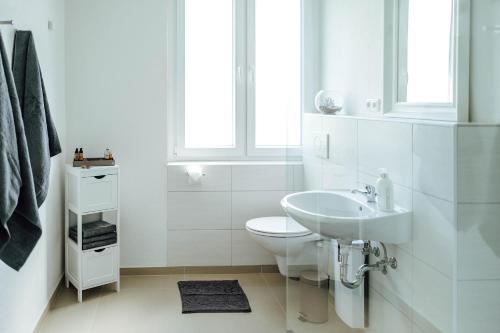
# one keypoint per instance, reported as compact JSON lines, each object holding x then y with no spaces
{"x":107,"y":154}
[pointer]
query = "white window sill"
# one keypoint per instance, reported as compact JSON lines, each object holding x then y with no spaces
{"x":231,"y":163}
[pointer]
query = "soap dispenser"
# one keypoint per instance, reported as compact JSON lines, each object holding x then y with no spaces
{"x":385,"y":192}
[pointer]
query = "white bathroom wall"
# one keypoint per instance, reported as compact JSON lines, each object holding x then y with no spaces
{"x":421,"y":162}
{"x":117,"y":97}
{"x":485,"y":67}
{"x":478,"y":228}
{"x":25,"y":294}
{"x":206,"y":222}
{"x":352,"y":50}
{"x":422,"y":295}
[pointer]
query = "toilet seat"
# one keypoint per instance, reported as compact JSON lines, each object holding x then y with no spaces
{"x":277,"y":226}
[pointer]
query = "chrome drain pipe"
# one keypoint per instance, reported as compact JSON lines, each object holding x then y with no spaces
{"x":379,"y":266}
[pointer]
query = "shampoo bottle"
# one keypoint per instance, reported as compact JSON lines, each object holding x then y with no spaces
{"x":385,"y":192}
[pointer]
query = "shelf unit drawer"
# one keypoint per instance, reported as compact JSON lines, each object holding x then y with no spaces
{"x":99,"y":193}
{"x":100,"y":266}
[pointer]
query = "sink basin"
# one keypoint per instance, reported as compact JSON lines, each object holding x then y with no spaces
{"x":344,"y":216}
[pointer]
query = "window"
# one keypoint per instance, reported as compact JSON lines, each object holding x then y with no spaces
{"x":426,"y":59}
{"x":429,"y":76}
{"x":208,"y":74}
{"x":239,"y":78}
{"x":277,"y":76}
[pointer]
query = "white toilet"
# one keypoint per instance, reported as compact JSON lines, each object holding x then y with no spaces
{"x":282,"y":236}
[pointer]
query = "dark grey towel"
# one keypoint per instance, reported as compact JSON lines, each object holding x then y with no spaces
{"x":95,"y":245}
{"x":41,"y":134}
{"x":88,"y":240}
{"x":20,"y":227}
{"x":93,"y":229}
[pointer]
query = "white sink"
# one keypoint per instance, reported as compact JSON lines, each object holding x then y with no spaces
{"x":344,"y":216}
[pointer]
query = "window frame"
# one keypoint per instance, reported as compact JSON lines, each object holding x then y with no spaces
{"x":458,"y":110}
{"x":243,"y":85}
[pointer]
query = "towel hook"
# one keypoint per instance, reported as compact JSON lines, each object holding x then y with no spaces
{"x":8,"y":22}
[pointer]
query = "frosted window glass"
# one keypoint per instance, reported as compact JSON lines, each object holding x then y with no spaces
{"x":278,"y":73}
{"x":429,"y":51}
{"x":209,"y":112}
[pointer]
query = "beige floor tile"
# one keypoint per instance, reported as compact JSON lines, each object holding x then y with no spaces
{"x":277,"y":284}
{"x":67,"y":315}
{"x":266,"y":316}
{"x":131,"y":310}
{"x":152,"y":304}
{"x":150,"y":281}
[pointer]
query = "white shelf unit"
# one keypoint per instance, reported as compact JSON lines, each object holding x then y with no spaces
{"x":91,"y":195}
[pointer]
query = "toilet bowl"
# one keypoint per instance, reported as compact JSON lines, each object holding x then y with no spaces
{"x":282,"y":236}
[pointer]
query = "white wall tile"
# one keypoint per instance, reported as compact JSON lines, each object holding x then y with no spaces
{"x":245,"y":251}
{"x":343,"y":141}
{"x":312,"y":127}
{"x":479,"y":241}
{"x":478,"y":164}
{"x":434,"y":232}
{"x":217,"y":178}
{"x":313,"y":173}
{"x":340,"y":170}
{"x":250,"y":205}
{"x":199,"y":248}
{"x":434,"y":160}
{"x":199,"y":210}
{"x":417,"y":329}
{"x":338,"y":177}
{"x":262,"y":177}
{"x":298,"y":178}
{"x":402,"y":195}
{"x":386,"y":145}
{"x":402,"y":198}
{"x":433,"y":296}
{"x":385,"y":318}
{"x":478,"y":306}
{"x":397,"y":285}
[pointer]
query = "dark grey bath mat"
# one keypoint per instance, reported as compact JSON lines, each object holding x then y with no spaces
{"x":213,"y":297}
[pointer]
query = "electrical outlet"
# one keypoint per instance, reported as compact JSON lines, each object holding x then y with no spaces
{"x":373,"y":105}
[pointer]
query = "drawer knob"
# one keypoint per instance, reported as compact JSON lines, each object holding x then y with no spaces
{"x":99,"y":177}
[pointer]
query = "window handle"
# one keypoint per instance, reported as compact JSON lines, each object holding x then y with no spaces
{"x":239,"y":74}
{"x":251,"y":75}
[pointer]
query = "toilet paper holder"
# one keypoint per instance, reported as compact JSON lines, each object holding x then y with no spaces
{"x":195,"y":174}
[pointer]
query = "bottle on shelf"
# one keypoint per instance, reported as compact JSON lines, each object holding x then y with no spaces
{"x":107,"y":154}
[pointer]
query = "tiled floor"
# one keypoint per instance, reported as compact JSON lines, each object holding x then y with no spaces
{"x":152,"y":304}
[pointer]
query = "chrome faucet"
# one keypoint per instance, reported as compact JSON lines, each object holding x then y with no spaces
{"x":370,"y":193}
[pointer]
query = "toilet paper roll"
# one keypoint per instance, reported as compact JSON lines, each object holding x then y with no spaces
{"x":195,"y":174}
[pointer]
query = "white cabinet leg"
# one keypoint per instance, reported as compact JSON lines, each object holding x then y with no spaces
{"x":80,"y":296}
{"x":117,"y":286}
{"x":66,"y":281}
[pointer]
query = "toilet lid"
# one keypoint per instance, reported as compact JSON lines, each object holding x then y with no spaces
{"x":277,"y":226}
